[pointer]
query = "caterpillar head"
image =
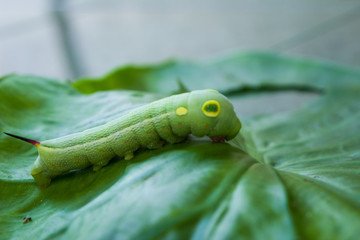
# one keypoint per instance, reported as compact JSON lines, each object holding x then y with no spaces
{"x":213,"y":115}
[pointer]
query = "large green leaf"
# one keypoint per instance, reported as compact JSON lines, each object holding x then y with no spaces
{"x":290,"y":175}
{"x":226,"y":74}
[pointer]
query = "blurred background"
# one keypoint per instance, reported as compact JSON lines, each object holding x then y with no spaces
{"x":70,"y":39}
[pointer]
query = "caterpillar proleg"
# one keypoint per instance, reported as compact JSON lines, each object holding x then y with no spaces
{"x":172,"y":119}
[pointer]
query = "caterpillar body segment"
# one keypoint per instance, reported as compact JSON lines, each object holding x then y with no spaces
{"x":168,"y":120}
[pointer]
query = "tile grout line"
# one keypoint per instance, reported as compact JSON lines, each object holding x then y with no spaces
{"x":67,"y":42}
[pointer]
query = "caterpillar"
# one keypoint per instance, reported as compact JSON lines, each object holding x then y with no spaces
{"x":171,"y":120}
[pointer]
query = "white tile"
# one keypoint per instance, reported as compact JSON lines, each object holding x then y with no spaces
{"x":35,"y":52}
{"x":341,"y":45}
{"x":117,"y":33}
{"x":17,"y":11}
{"x":112,"y":33}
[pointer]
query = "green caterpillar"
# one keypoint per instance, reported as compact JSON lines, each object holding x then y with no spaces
{"x":170,"y":119}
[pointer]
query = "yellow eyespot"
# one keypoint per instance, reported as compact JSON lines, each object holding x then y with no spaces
{"x":181,"y":111}
{"x":211,"y":108}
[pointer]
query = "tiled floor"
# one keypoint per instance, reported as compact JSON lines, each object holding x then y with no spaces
{"x":108,"y":33}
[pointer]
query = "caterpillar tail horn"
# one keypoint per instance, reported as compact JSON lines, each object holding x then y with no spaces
{"x":33,"y":142}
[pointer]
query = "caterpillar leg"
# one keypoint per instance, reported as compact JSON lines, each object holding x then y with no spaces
{"x":100,"y":165}
{"x":129,"y":156}
{"x":41,"y":179}
{"x":156,"y":145}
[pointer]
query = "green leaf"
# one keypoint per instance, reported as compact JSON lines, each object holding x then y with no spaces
{"x":226,"y":74}
{"x":289,"y":175}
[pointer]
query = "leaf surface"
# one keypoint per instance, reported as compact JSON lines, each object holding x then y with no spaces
{"x":288,"y":175}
